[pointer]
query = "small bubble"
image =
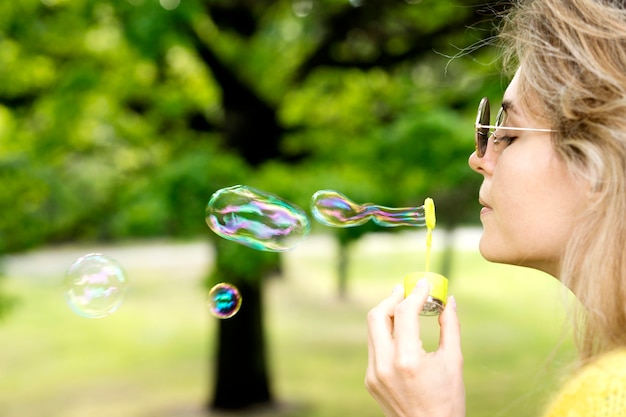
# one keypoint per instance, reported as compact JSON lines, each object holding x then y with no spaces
{"x":224,"y":300}
{"x":94,"y":286}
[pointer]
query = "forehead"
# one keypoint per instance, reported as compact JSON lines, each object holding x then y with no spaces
{"x":510,"y":95}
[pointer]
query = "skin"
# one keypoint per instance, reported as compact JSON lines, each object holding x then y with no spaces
{"x":530,"y":200}
{"x":402,"y":377}
{"x":530,"y":203}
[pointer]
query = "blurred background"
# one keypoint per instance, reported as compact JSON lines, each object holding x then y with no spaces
{"x":120,"y":118}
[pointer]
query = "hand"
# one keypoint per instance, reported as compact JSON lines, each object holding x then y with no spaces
{"x":403,"y":378}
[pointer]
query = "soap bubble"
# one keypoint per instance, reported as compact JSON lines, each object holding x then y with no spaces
{"x":257,"y":219}
{"x":94,"y":286}
{"x":224,"y":300}
{"x":336,"y":210}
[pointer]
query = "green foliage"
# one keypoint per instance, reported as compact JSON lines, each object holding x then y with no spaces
{"x":113,"y":114}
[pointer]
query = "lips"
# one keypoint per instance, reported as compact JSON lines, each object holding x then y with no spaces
{"x":486,"y":207}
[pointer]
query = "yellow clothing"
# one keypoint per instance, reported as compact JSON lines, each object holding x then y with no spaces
{"x":597,"y":390}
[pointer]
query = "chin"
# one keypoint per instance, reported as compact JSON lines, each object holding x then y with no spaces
{"x":485,"y":248}
{"x":493,"y":253}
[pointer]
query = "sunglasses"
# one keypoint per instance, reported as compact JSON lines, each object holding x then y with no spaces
{"x":484,"y":130}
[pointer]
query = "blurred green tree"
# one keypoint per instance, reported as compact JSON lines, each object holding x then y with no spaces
{"x":118,"y":117}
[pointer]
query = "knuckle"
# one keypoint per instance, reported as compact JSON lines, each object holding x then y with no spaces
{"x":401,"y":308}
{"x":460,"y":362}
{"x":373,"y":315}
{"x":371,"y":383}
{"x":406,"y":365}
{"x":375,"y":379}
{"x":455,"y":362}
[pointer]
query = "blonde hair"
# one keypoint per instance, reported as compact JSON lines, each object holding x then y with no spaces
{"x":572,"y":55}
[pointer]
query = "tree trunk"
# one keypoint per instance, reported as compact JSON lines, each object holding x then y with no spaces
{"x":241,"y":375}
{"x":342,"y":270}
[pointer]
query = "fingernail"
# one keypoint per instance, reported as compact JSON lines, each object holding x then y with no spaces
{"x":423,"y":283}
{"x":452,"y":302}
{"x":397,"y":288}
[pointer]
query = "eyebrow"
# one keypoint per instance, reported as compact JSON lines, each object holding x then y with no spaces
{"x":508,"y":106}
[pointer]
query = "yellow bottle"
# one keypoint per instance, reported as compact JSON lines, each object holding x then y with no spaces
{"x":438,"y":290}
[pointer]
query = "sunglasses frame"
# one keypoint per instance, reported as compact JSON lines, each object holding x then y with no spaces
{"x":484,"y":130}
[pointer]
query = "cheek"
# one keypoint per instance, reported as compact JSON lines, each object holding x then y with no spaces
{"x":510,"y":230}
{"x":523,"y":192}
{"x":529,"y":238}
{"x":536,"y":206}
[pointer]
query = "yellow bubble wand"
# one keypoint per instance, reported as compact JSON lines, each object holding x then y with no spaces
{"x":438,"y":283}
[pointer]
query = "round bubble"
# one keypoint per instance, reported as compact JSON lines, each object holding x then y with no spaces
{"x":336,"y":210}
{"x":257,"y":219}
{"x":94,"y":286}
{"x":224,"y":300}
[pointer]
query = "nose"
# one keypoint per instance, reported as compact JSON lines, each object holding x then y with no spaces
{"x":474,"y":162}
{"x":484,"y":165}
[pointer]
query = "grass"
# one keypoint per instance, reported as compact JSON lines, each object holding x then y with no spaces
{"x":151,"y":358}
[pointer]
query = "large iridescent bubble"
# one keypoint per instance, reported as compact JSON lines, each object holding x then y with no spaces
{"x":257,"y":219}
{"x":95,"y":286}
{"x":336,"y":210}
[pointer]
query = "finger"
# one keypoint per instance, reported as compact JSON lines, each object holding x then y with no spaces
{"x":406,"y":319}
{"x":450,"y":333}
{"x":380,"y":324}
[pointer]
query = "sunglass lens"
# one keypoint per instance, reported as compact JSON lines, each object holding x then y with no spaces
{"x":482,"y":133}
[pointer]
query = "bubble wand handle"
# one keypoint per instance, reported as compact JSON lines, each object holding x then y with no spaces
{"x":438,"y":294}
{"x":431,"y":221}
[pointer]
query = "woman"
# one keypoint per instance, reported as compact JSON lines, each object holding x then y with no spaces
{"x":554,"y":199}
